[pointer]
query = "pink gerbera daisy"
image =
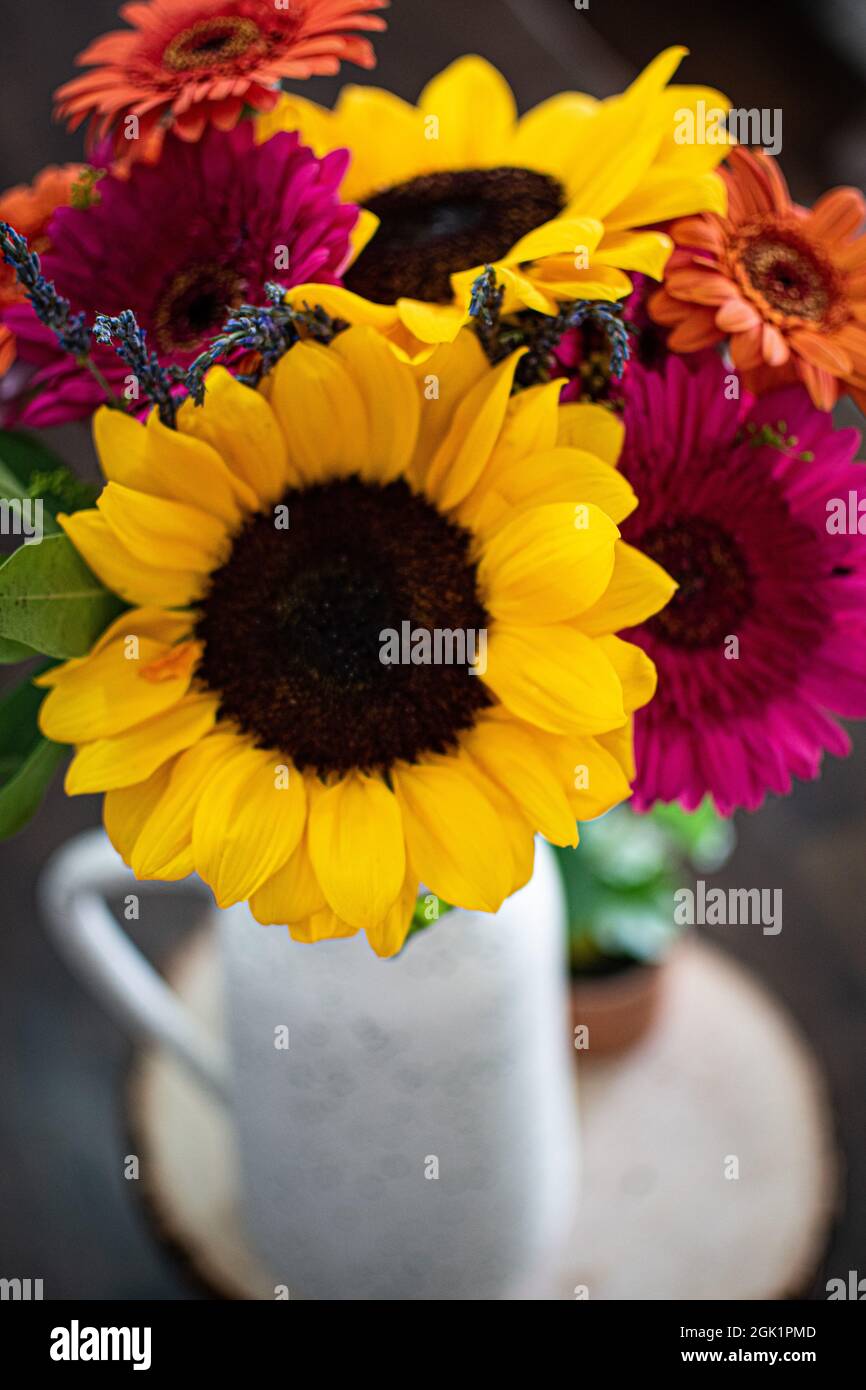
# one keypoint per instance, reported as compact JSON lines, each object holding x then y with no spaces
{"x":754,"y":508}
{"x":181,"y":243}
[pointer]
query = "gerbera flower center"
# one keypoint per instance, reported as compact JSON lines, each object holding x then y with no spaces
{"x":194,"y":304}
{"x":210,"y":42}
{"x":291,"y":627}
{"x":441,"y":223}
{"x":715,"y":584}
{"x":788,"y":274}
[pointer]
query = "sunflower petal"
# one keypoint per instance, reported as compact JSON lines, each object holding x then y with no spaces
{"x":357,"y":848}
{"x":454,"y":837}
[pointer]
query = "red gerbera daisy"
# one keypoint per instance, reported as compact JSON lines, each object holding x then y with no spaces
{"x":191,"y":63}
{"x":755,"y":508}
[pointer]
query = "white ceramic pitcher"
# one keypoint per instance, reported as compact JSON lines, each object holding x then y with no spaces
{"x":417,"y":1139}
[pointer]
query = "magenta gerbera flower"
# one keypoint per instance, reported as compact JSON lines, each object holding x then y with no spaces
{"x":180,"y":243}
{"x":753,"y":507}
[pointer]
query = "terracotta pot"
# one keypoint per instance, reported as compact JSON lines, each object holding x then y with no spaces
{"x":617,"y":1009}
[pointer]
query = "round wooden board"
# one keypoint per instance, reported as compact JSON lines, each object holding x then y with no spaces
{"x":724,"y":1083}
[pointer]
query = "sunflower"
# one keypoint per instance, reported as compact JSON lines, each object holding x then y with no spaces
{"x":29,"y":209}
{"x":786,"y":284}
{"x":552,"y":200}
{"x":187,"y":64}
{"x":240,"y":718}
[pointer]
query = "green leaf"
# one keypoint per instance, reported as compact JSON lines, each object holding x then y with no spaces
{"x":10,"y":652}
{"x":22,"y":455}
{"x":27,"y":759}
{"x":51,"y":601}
{"x":21,"y":796}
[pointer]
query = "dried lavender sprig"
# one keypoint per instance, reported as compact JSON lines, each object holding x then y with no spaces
{"x":541,"y":333}
{"x":267,"y":329}
{"x":155,"y":382}
{"x":48,"y":304}
{"x":608,"y":316}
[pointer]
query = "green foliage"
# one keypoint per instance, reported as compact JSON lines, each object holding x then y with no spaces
{"x":27,"y":759}
{"x":620,"y":881}
{"x":50,"y":600}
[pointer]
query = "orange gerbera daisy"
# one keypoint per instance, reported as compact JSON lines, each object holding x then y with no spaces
{"x":787,"y":284}
{"x":29,"y":208}
{"x":188,"y":63}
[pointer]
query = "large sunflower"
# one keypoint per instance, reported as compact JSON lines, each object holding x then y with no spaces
{"x":240,"y":718}
{"x":552,"y":200}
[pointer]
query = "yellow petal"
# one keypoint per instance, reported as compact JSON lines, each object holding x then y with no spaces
{"x":620,"y":140}
{"x":321,"y":413}
{"x":637,"y":673}
{"x":595,"y":777}
{"x":461,"y":457}
{"x":560,"y":475}
{"x":432,"y":323}
{"x":550,"y":136}
{"x":454,"y":837}
{"x":399,"y":150}
{"x":240,"y":425}
{"x":554,"y":677}
{"x":163,"y":463}
{"x":518,"y":831}
{"x":663,"y":194}
{"x":133,"y":755}
{"x":124,"y":573}
{"x":637,"y":589}
{"x":321,"y":926}
{"x":647,"y":252}
{"x":167,"y":833}
{"x":390,"y":399}
{"x":512,"y":756}
{"x":248,"y":824}
{"x":476,"y":114}
{"x":151,"y":527}
{"x":357,"y":848}
{"x":110,"y":691}
{"x":442,"y":382}
{"x":292,"y":894}
{"x":388,"y":936}
{"x":164,"y":627}
{"x":548,"y":563}
{"x":126,"y":809}
{"x":341,"y":303}
{"x":561,"y":236}
{"x":593,"y":428}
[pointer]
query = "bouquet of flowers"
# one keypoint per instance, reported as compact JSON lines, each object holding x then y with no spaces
{"x":466,"y":473}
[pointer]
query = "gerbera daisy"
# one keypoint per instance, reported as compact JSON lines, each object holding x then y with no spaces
{"x":270,"y":544}
{"x":180,"y":243}
{"x":551,"y":200}
{"x":187,"y":64}
{"x":29,"y":209}
{"x":785,"y":284}
{"x":765,"y":638}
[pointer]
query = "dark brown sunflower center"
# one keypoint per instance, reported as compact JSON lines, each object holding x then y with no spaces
{"x":211,"y":42}
{"x":293,"y":626}
{"x":788,"y":274}
{"x":194,"y":304}
{"x":440,"y":223}
{"x":715,"y":584}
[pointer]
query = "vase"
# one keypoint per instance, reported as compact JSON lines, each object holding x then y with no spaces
{"x":407,"y":1128}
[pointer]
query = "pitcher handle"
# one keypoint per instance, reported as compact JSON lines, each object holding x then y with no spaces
{"x":72,"y":894}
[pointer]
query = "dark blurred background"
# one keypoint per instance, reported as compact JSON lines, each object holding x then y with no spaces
{"x":66,"y":1213}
